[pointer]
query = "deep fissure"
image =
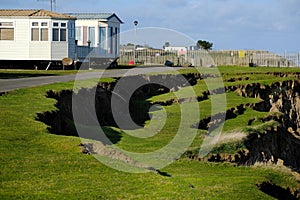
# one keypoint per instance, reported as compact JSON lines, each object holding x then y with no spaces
{"x":61,"y":120}
{"x":281,"y":142}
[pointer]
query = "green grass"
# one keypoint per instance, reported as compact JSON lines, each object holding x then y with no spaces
{"x":257,"y":70}
{"x":254,"y":75}
{"x":38,"y":165}
{"x":5,"y":74}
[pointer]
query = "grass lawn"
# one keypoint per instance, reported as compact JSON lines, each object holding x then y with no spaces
{"x":37,"y":165}
{"x":9,"y":74}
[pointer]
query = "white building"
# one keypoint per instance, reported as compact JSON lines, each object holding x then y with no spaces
{"x":182,"y":49}
{"x":170,"y":48}
{"x":100,"y":31}
{"x":36,"y":35}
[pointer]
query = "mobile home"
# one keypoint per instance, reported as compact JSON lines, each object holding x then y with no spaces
{"x":97,"y":34}
{"x":36,"y":35}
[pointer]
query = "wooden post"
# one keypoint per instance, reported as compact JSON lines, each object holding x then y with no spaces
{"x":298,"y":60}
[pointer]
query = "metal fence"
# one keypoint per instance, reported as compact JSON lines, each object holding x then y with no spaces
{"x":204,"y":58}
{"x":159,"y":57}
{"x":86,"y":52}
{"x":275,"y":60}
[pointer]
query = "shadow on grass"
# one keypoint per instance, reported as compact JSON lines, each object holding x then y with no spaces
{"x":165,"y":174}
{"x":22,"y":75}
{"x":61,"y":122}
{"x":278,"y":192}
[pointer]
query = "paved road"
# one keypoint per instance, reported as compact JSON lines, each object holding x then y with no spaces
{"x":13,"y":84}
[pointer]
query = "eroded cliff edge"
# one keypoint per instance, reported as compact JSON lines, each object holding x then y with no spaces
{"x":277,"y":143}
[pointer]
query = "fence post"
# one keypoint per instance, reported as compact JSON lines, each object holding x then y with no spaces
{"x":89,"y":53}
{"x":298,"y":60}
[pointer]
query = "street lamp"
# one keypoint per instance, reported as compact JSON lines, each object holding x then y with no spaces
{"x":135,"y":25}
{"x":89,"y":53}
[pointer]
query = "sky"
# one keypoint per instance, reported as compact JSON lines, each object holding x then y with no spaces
{"x":272,"y":25}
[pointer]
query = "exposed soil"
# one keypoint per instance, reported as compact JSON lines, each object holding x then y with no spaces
{"x":61,"y":121}
{"x":280,"y":142}
{"x":277,"y":143}
{"x":279,"y":192}
{"x":208,"y":124}
{"x":3,"y":93}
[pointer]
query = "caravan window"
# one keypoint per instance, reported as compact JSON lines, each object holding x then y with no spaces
{"x":92,"y":37}
{"x":78,"y":33}
{"x":7,"y":31}
{"x":55,"y":34}
{"x":103,"y":38}
{"x":44,"y":34}
{"x":6,"y":24}
{"x":63,"y":34}
{"x":39,"y":31}
{"x":35,"y":34}
{"x":59,"y":32}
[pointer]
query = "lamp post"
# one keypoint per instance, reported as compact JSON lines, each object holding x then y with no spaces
{"x":89,"y":53}
{"x":134,"y":46}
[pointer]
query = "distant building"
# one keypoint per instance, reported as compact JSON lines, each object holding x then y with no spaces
{"x":127,"y":48}
{"x":99,"y":30}
{"x":181,"y":51}
{"x":181,"y":48}
{"x":193,"y":48}
{"x":36,"y":35}
{"x":130,"y":48}
{"x":171,"y":48}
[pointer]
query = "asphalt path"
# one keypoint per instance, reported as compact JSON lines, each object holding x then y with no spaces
{"x":7,"y":85}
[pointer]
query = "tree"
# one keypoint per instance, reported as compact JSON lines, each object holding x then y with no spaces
{"x":202,"y":44}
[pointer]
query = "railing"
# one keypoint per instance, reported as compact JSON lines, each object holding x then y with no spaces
{"x":86,"y":52}
{"x":159,"y":57}
{"x":204,"y":58}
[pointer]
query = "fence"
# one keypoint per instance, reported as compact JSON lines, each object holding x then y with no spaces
{"x":204,"y":58}
{"x":159,"y":57}
{"x":275,"y":60}
{"x":85,"y":52}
